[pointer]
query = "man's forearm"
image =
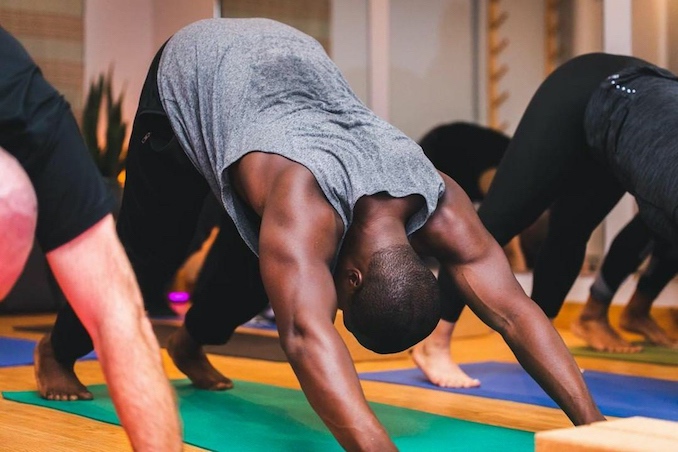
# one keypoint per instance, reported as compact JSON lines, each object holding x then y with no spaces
{"x":131,"y":361}
{"x":97,"y":279}
{"x":542,"y":352}
{"x":328,"y":378}
{"x":501,"y":303}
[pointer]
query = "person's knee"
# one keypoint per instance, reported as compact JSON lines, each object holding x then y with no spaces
{"x":18,"y":216}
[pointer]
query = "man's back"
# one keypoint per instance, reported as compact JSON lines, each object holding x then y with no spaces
{"x":234,"y":86}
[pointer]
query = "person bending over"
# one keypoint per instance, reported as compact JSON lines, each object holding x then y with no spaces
{"x":598,"y":126}
{"x":337,"y":205}
{"x":627,"y":252}
{"x":50,"y":190}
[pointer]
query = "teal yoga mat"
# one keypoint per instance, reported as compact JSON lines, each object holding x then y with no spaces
{"x":255,"y":417}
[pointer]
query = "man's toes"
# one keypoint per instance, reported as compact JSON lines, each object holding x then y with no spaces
{"x":222,"y":385}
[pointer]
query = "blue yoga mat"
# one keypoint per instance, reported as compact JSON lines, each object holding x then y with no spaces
{"x":616,"y":395}
{"x":19,"y":352}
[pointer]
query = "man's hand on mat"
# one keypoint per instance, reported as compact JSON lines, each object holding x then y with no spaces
{"x":56,"y":381}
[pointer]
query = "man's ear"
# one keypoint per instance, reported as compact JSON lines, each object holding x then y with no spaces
{"x":355,"y":278}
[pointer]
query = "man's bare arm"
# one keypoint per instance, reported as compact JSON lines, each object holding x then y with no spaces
{"x":297,"y":244}
{"x":97,"y":279}
{"x":475,"y":263}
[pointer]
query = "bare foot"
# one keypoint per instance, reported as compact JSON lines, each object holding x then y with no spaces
{"x":56,"y":381}
{"x":647,"y":327}
{"x":437,"y":365}
{"x":600,"y":336}
{"x":190,"y":358}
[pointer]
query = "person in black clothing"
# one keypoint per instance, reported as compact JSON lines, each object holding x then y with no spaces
{"x":628,"y":250}
{"x":598,"y":126}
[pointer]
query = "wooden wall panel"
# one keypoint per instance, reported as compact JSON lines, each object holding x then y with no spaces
{"x":52,"y":32}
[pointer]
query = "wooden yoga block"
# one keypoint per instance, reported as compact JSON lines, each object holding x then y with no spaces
{"x":634,"y":434}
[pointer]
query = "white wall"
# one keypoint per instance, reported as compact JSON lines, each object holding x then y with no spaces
{"x":348,"y":38}
{"x":431,"y":64}
{"x":118,"y":35}
{"x":588,"y":26}
{"x":125,"y":34}
{"x":524,"y":57}
{"x":650,"y":30}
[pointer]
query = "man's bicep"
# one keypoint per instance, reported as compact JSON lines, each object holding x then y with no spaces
{"x":295,"y":257}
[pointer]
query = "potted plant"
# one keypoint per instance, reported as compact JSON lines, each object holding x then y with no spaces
{"x":102,"y":117}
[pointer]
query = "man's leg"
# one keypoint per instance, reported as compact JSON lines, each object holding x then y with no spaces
{"x":636,"y":316}
{"x":627,"y":251}
{"x":18,"y":216}
{"x":228,"y":293}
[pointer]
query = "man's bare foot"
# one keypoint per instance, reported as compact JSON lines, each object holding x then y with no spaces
{"x":647,"y":327}
{"x":190,"y":358}
{"x":56,"y":381}
{"x":437,"y":365}
{"x":600,"y":336}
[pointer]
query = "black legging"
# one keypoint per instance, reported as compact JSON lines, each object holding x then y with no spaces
{"x":627,"y":251}
{"x":549,"y":165}
{"x":161,"y":207}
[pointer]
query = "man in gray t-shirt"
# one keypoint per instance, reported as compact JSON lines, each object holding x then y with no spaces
{"x":337,"y":205}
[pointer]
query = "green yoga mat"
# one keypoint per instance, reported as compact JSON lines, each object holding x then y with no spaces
{"x":650,"y":354}
{"x":255,"y":417}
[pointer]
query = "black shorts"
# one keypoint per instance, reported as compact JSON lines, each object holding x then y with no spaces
{"x":37,"y":127}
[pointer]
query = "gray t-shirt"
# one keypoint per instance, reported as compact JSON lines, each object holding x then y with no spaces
{"x":233,"y":86}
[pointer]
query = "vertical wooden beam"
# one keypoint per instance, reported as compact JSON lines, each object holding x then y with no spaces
{"x":495,"y":70}
{"x":552,"y":44}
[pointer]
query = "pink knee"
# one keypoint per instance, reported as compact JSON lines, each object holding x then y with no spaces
{"x":18,"y":215}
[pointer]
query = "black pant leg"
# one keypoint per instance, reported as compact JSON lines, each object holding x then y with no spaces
{"x":229,"y":290}
{"x":661,"y":269}
{"x":627,"y":251}
{"x":589,"y":198}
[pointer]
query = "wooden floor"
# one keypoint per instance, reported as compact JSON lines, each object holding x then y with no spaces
{"x":28,"y":428}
